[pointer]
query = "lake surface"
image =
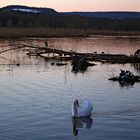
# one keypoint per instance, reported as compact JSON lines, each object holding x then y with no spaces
{"x":36,"y":97}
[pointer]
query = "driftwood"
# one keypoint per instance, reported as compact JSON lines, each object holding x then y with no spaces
{"x":69,"y":55}
{"x":18,"y":47}
{"x":80,"y":61}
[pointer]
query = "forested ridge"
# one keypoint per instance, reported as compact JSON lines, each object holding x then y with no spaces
{"x":23,"y":19}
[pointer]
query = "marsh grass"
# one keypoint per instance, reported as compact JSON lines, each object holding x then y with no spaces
{"x":58,"y":32}
{"x":40,"y":32}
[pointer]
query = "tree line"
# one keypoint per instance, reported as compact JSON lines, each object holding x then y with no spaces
{"x":28,"y":20}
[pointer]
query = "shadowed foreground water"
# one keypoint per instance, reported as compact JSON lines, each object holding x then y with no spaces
{"x":35,"y":102}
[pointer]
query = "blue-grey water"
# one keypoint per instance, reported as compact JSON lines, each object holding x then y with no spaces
{"x":36,"y":97}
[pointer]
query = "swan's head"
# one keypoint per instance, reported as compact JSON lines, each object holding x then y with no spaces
{"x":76,"y":103}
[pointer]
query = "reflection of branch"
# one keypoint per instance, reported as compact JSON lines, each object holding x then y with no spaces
{"x":4,"y":58}
{"x":136,"y":66}
{"x":80,"y":123}
{"x":19,"y":47}
{"x":75,"y":129}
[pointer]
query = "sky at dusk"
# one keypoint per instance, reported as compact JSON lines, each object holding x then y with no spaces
{"x":79,"y":5}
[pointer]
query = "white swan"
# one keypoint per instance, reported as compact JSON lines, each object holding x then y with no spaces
{"x":82,"y":108}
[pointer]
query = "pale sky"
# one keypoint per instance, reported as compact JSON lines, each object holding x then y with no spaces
{"x":79,"y":5}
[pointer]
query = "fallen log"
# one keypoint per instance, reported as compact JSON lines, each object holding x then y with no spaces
{"x":68,"y":55}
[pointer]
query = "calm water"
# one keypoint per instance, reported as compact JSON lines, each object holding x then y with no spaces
{"x":36,"y":97}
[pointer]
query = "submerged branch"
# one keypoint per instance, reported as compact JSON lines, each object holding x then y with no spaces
{"x":20,"y":46}
{"x":106,"y":58}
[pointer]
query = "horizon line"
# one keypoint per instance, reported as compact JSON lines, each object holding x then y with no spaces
{"x":73,"y":10}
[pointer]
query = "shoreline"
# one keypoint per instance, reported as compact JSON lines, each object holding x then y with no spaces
{"x":15,"y":33}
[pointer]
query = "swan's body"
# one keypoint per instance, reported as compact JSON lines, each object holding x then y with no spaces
{"x":81,"y":109}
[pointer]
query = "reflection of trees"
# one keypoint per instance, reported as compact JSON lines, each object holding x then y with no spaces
{"x":80,"y":64}
{"x":136,"y":66}
{"x":84,"y":122}
{"x":126,"y":84}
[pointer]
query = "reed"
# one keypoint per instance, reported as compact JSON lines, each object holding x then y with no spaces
{"x":40,"y":32}
{"x":59,"y":32}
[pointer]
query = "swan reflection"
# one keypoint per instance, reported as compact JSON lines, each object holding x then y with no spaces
{"x":78,"y":123}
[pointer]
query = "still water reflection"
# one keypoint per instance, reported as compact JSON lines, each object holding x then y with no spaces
{"x":78,"y":123}
{"x":36,"y":97}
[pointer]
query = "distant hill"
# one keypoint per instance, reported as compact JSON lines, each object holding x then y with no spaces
{"x":111,"y":15}
{"x":27,"y":9}
{"x":32,"y":17}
